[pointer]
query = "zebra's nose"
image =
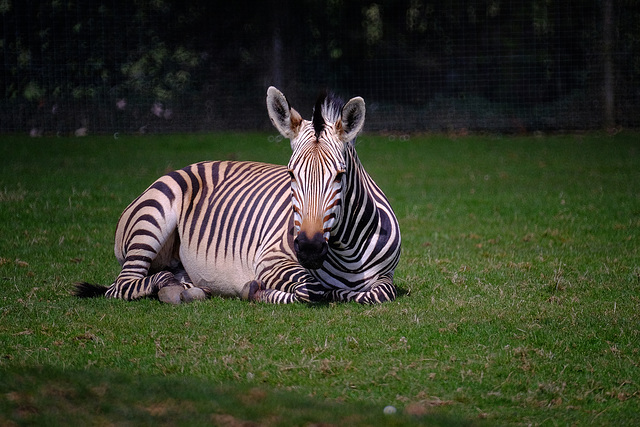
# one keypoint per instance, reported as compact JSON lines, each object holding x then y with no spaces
{"x":311,"y":252}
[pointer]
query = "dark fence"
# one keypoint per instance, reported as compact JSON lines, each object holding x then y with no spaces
{"x":476,"y":65}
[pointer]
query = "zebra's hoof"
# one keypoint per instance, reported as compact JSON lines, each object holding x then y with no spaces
{"x":170,"y":294}
{"x":193,"y":294}
{"x":252,"y":290}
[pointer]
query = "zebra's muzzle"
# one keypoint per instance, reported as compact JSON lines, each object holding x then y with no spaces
{"x":311,"y":252}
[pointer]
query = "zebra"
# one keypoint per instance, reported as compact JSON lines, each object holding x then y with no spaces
{"x":318,"y":229}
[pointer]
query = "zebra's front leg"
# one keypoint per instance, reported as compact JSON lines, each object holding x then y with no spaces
{"x":257,"y":291}
{"x":284,"y":282}
{"x":382,"y":291}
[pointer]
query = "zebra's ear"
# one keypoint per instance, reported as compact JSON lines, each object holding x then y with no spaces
{"x":284,"y":118}
{"x":352,"y":119}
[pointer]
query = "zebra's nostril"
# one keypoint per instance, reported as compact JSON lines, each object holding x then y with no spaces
{"x":312,"y":245}
{"x":311,"y":252}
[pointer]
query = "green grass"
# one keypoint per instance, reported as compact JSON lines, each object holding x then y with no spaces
{"x":520,"y":272}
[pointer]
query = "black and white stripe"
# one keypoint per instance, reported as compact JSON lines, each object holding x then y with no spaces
{"x":318,"y":229}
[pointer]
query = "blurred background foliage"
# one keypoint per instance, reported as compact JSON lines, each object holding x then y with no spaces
{"x":422,"y":65}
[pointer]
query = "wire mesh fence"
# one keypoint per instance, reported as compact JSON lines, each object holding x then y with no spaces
{"x":149,"y":66}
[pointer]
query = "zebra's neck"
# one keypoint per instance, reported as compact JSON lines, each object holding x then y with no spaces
{"x":360,"y":217}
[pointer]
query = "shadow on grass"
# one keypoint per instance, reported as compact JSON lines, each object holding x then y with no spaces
{"x":52,"y":396}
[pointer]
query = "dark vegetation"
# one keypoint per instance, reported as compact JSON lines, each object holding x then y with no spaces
{"x":157,"y":66}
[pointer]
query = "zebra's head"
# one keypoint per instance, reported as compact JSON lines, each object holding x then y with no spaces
{"x":318,"y":167}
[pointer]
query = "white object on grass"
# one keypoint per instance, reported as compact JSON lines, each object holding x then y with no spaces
{"x":389,"y":410}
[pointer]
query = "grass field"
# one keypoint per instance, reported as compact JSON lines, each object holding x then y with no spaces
{"x":520,"y":303}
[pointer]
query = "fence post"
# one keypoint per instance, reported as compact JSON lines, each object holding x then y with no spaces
{"x":608,"y":78}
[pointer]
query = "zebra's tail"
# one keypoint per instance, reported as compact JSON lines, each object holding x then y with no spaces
{"x":88,"y":290}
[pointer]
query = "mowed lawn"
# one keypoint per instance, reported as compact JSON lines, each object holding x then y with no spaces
{"x":519,"y":278}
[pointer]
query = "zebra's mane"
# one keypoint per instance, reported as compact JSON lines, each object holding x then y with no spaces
{"x":327,"y":110}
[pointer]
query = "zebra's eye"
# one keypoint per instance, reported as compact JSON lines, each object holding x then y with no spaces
{"x":339,"y":176}
{"x":291,"y":175}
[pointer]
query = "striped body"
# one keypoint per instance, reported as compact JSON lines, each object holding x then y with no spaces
{"x":219,"y":221}
{"x":318,"y":229}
